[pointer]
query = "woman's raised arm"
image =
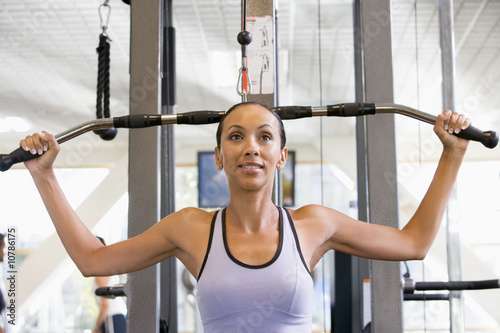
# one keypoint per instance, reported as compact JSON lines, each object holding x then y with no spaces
{"x":340,"y":232}
{"x":90,"y":256}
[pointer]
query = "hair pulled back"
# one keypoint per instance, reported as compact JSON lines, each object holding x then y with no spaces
{"x":234,"y":107}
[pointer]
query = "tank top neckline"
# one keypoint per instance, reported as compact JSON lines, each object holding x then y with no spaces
{"x":238,"y":262}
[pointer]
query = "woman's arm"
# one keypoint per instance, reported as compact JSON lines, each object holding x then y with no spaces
{"x":348,"y":235}
{"x":91,"y":257}
{"x":422,"y":228}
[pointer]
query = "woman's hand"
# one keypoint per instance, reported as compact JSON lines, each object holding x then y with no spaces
{"x":43,"y":144}
{"x":448,"y":123}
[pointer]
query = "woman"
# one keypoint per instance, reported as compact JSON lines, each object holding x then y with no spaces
{"x":253,"y":259}
{"x":111,"y":317}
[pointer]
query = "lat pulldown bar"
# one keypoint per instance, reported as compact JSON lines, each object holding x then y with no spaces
{"x":488,"y":139}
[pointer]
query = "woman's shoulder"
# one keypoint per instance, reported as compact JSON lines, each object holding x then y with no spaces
{"x":308,"y":212}
{"x":318,"y":217}
{"x":196,"y":213}
{"x":190,"y":216}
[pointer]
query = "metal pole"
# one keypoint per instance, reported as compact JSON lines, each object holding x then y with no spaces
{"x":350,"y":271}
{"x":142,"y":287}
{"x":361,"y":315}
{"x":381,"y":163}
{"x":262,"y":61}
{"x":447,"y":42}
{"x":168,"y":268}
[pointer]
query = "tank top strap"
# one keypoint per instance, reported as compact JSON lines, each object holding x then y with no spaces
{"x":289,"y":225}
{"x":217,"y":217}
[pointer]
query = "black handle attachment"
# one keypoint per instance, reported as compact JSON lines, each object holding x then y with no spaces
{"x":18,"y":155}
{"x":111,"y":291}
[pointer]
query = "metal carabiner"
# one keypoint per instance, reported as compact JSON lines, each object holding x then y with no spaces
{"x":104,"y":18}
{"x":244,"y":90}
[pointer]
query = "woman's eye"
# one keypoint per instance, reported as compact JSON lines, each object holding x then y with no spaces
{"x":266,"y":137}
{"x":234,"y":137}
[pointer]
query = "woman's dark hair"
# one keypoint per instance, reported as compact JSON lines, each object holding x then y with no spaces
{"x":221,"y":123}
{"x":102,"y":240}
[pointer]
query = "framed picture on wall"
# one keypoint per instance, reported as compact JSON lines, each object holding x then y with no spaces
{"x":213,"y":191}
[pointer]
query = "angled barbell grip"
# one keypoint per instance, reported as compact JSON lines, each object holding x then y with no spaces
{"x":130,"y":121}
{"x":489,"y":138}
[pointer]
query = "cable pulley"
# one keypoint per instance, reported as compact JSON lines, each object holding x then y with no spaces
{"x":489,"y":138}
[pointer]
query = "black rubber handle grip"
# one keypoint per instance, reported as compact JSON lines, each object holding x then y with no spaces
{"x":200,"y":117}
{"x":111,"y":292}
{"x":293,"y":112}
{"x":137,"y":121}
{"x":18,"y":155}
{"x":489,"y":138}
{"x":350,"y":109}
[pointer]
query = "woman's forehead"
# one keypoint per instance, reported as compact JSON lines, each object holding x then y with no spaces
{"x":250,"y":113}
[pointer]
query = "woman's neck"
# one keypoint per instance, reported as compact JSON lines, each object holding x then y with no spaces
{"x":252,"y":215}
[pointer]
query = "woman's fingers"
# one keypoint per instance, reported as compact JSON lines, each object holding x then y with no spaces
{"x":454,"y":122}
{"x":36,"y":143}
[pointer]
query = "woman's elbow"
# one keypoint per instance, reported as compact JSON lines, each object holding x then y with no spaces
{"x":86,"y":272}
{"x":419,"y":252}
{"x":89,"y":268}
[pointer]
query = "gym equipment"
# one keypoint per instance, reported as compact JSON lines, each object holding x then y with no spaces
{"x":103,"y":51}
{"x":131,"y":121}
{"x":118,"y":290}
{"x":112,"y":292}
{"x":409,"y":288}
{"x":489,"y":138}
{"x":244,"y":84}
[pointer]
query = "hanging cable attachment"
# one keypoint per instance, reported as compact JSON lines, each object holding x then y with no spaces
{"x":244,"y":85}
{"x":104,"y":13}
{"x":103,"y":51}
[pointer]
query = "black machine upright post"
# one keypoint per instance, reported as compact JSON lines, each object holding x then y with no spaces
{"x":142,"y":286}
{"x":168,"y":280}
{"x":350,"y":271}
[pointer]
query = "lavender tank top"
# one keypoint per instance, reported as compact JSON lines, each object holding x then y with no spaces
{"x":236,"y":297}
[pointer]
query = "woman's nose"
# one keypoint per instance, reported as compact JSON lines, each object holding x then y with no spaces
{"x":252,"y":148}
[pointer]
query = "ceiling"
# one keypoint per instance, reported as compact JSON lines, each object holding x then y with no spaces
{"x":49,"y":64}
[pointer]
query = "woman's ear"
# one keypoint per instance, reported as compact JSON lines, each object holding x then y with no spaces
{"x":218,"y":159}
{"x":283,"y":158}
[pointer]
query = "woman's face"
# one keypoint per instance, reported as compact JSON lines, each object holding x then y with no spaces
{"x":250,"y":148}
